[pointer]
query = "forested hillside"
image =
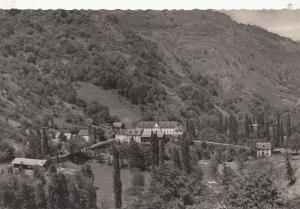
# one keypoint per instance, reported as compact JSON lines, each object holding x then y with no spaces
{"x":169,"y":64}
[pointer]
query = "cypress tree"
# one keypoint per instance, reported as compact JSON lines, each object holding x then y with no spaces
{"x":267,"y":132}
{"x":247,"y":126}
{"x":281,"y":134}
{"x":233,"y":128}
{"x":258,"y":126}
{"x":187,"y":137}
{"x":226,"y":126}
{"x":290,"y":173}
{"x":162,"y":150}
{"x":153,"y":151}
{"x":274,"y":128}
{"x":278,"y":131}
{"x":176,"y":158}
{"x":288,"y":128}
{"x":117,"y":184}
{"x":185,"y":152}
{"x":44,"y":142}
{"x":220,"y":123}
{"x":251,"y":125}
{"x":156,"y":142}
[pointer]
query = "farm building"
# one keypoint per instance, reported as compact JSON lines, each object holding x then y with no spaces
{"x":84,"y":133}
{"x":263,"y":149}
{"x":125,"y":135}
{"x":117,"y":125}
{"x":29,"y":164}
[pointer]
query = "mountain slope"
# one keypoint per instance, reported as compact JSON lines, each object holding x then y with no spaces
{"x":248,"y":62}
{"x":167,"y":64}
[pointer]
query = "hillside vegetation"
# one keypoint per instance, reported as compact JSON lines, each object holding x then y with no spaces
{"x":165,"y":64}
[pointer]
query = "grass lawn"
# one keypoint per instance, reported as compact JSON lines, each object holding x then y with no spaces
{"x":117,"y":105}
{"x":104,"y":182}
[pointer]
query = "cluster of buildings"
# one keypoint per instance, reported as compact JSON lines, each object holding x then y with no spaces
{"x":142,"y":132}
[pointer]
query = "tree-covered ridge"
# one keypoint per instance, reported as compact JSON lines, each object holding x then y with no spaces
{"x":46,"y":52}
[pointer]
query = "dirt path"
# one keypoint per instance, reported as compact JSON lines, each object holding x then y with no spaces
{"x":224,"y":144}
{"x":208,"y":178}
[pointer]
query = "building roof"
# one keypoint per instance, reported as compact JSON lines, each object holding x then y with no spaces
{"x":101,"y":143}
{"x":168,"y":124}
{"x":162,"y":124}
{"x":261,"y":145}
{"x":117,"y":124}
{"x":146,"y":124}
{"x":132,"y":131}
{"x":83,"y":132}
{"x":67,"y":135}
{"x":27,"y":161}
{"x":160,"y":134}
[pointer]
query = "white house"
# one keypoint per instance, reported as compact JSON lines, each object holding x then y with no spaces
{"x":166,"y":127}
{"x":125,"y":135}
{"x":27,"y":164}
{"x":84,"y":133}
{"x":263,"y":149}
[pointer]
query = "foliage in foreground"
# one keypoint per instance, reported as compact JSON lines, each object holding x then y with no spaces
{"x":253,"y":190}
{"x":170,"y":188}
{"x":46,"y":191}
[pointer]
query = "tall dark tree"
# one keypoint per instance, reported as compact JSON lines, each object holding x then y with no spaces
{"x":176,"y":158}
{"x":247,"y":126}
{"x":233,"y":128}
{"x":136,"y":155}
{"x":58,"y":197}
{"x":267,"y":131}
{"x":156,"y":150}
{"x":186,"y":140}
{"x":117,"y":184}
{"x":258,"y":126}
{"x":251,"y":130}
{"x":153,"y":147}
{"x":44,"y":142}
{"x":220,"y":123}
{"x":288,"y":127}
{"x":275,"y":141}
{"x":290,"y":173}
{"x":281,"y":134}
{"x":277,"y":135}
{"x":162,"y":150}
{"x":226,"y":126}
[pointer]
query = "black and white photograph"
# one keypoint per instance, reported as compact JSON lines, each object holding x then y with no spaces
{"x":150,"y":104}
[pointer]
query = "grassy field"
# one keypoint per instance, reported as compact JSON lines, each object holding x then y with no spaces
{"x":117,"y":105}
{"x":103,"y":181}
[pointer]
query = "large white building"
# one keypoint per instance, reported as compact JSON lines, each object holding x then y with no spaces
{"x":173,"y":128}
{"x":125,"y":135}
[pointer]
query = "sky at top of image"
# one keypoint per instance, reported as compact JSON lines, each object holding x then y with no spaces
{"x":148,"y":4}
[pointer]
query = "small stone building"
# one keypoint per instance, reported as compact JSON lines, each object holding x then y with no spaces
{"x":263,"y":149}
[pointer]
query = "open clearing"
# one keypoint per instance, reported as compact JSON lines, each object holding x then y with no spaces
{"x":117,"y":105}
{"x":104,"y":182}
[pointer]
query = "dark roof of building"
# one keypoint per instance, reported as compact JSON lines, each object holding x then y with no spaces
{"x":160,"y":134}
{"x":135,"y":132}
{"x":83,"y":132}
{"x":146,"y":124}
{"x":168,"y":124}
{"x":162,"y":124}
{"x":262,"y":145}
